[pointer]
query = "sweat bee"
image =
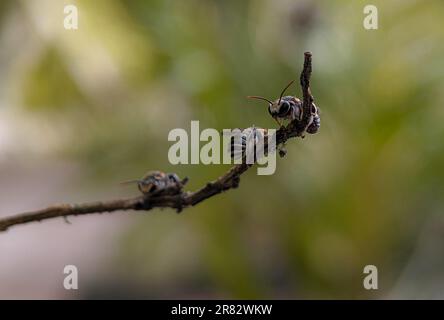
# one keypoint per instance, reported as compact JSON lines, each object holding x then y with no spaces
{"x":248,"y":141}
{"x":156,"y":182}
{"x":290,"y":108}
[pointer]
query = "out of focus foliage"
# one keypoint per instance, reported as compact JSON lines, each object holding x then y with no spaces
{"x":354,"y":194}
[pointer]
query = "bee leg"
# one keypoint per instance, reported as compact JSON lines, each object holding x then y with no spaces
{"x":278,"y":122}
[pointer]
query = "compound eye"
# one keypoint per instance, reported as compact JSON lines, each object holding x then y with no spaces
{"x":284,"y":108}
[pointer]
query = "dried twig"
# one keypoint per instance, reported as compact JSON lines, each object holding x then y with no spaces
{"x":181,"y":199}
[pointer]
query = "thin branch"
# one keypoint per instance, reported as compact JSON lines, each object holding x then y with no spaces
{"x":181,"y":199}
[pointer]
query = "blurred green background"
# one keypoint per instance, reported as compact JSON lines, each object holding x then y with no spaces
{"x":367,"y":189}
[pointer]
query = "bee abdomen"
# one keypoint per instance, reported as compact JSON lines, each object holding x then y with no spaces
{"x":315,"y":125}
{"x":247,"y":142}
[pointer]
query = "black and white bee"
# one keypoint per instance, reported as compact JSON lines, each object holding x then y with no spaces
{"x":290,"y":108}
{"x":249,"y":141}
{"x":156,"y":182}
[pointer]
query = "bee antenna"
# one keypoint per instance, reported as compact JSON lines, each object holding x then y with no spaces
{"x":260,"y":98}
{"x":283,"y":91}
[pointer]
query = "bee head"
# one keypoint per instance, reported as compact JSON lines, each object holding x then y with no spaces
{"x":280,"y":107}
{"x":283,"y":107}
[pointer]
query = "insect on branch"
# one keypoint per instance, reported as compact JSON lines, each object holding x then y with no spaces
{"x":174,"y":196}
